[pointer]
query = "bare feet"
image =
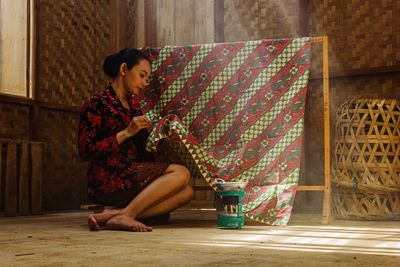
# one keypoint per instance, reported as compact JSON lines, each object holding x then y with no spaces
{"x":98,"y":220}
{"x":126,"y":223}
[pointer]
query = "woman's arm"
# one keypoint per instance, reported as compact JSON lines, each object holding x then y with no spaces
{"x":92,"y":144}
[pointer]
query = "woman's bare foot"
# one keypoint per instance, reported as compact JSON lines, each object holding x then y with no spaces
{"x":98,"y":220}
{"x":126,"y":223}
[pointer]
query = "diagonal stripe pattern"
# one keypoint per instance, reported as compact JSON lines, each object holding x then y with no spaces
{"x":235,"y":111}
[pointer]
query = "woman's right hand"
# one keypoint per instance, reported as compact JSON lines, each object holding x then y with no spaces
{"x":137,"y":123}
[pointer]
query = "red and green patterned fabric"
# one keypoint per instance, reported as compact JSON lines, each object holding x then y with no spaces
{"x":235,"y":111}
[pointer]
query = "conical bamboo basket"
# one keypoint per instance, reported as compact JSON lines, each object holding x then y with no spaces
{"x":366,"y":160}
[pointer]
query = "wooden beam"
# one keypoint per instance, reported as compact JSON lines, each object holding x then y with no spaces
{"x":13,"y":99}
{"x":23,"y":101}
{"x":165,"y":27}
{"x":303,"y":17}
{"x":114,"y":23}
{"x":140,"y":32}
{"x":123,"y":14}
{"x":150,"y":23}
{"x":11,"y":182}
{"x":299,"y":188}
{"x":34,"y":111}
{"x":219,"y":21}
{"x":327,"y":204}
{"x":29,"y":51}
{"x":23,"y":180}
{"x":2,"y":177}
{"x":202,"y":188}
{"x":36,"y":50}
{"x":36,"y":177}
{"x":359,"y":72}
{"x":59,"y":107}
{"x":310,"y":188}
{"x":184,"y":22}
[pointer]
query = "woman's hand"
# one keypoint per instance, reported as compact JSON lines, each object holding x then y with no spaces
{"x":137,"y":123}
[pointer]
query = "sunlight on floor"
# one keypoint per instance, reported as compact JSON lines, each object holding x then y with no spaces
{"x":374,"y":241}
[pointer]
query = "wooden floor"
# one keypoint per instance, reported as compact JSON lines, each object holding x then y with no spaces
{"x":192,"y":239}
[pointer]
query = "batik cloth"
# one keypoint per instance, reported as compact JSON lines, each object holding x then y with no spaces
{"x":235,"y":111}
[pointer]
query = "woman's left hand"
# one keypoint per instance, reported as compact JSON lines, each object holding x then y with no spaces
{"x":136,"y":124}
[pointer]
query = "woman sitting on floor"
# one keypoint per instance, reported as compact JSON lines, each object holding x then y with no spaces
{"x":112,"y":136}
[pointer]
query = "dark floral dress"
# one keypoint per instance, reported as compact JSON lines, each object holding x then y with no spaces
{"x":113,"y":167}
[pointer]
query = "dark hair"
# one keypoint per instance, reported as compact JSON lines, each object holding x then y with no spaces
{"x":130,"y":56}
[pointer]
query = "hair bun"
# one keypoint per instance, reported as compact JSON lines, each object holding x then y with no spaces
{"x":111,"y":65}
{"x":130,"y":56}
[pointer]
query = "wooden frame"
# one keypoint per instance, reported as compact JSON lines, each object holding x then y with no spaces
{"x":326,"y":188}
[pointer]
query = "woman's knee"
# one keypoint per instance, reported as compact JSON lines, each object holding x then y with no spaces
{"x":181,"y":171}
{"x":187,"y":194}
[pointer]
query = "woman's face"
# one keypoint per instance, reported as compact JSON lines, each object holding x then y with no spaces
{"x":135,"y":79}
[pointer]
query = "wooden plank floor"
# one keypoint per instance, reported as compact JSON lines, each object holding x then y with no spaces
{"x":192,"y":239}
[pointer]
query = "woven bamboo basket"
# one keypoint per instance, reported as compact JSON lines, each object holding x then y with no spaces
{"x":366,"y":161}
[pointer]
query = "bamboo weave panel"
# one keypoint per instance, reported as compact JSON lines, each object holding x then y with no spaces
{"x":362,"y":34}
{"x":14,"y":121}
{"x":74,"y":39}
{"x":65,"y":174}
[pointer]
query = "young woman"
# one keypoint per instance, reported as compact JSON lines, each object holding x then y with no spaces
{"x":112,"y":136}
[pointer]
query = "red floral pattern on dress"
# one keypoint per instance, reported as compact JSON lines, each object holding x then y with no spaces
{"x":114,"y":167}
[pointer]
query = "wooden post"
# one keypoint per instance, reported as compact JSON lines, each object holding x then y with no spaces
{"x":117,"y":25}
{"x":140,"y":32}
{"x":326,"y":188}
{"x":23,"y":185}
{"x":326,"y":212}
{"x":219,"y":31}
{"x":1,"y":178}
{"x":150,"y":22}
{"x":165,"y":23}
{"x":11,"y":189}
{"x":37,"y":174}
{"x":303,"y":17}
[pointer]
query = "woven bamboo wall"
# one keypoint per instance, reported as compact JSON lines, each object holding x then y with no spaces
{"x":68,"y":77}
{"x":74,"y":39}
{"x":102,"y":44}
{"x":64,"y":182}
{"x":362,"y":33}
{"x":14,"y":121}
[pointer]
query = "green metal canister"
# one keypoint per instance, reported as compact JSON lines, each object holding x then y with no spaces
{"x":229,"y":209}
